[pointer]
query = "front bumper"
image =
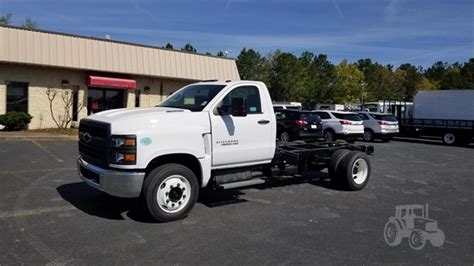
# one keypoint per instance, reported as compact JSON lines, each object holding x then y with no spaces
{"x":116,"y":183}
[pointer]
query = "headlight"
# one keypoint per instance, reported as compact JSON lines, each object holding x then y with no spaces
{"x":124,"y":149}
{"x":125,"y":157}
{"x":124,"y":141}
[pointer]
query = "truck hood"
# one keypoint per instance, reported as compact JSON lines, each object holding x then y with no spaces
{"x":146,"y":120}
{"x":118,"y":115}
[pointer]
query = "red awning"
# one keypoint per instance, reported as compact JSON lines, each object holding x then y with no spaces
{"x":95,"y":81}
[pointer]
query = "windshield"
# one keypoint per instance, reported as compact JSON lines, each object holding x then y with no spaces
{"x":390,"y":118}
{"x":194,"y":97}
{"x":350,"y":117}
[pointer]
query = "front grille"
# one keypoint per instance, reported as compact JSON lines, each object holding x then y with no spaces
{"x":94,"y":141}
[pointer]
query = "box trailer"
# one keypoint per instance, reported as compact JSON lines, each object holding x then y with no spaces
{"x":446,"y":113}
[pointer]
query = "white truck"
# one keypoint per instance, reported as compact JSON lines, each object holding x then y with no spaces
{"x":219,"y":134}
{"x":445,"y":113}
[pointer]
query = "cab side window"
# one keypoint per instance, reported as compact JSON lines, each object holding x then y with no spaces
{"x":250,"y":95}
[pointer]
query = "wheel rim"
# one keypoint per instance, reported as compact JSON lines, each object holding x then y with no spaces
{"x":173,"y":193}
{"x":328,"y":136}
{"x":367,"y":135}
{"x":449,"y":138}
{"x":284,"y":136}
{"x":417,"y":240}
{"x":360,"y":171}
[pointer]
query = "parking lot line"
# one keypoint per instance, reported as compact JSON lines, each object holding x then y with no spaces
{"x":22,"y":213}
{"x":47,"y":151}
{"x":38,"y":170}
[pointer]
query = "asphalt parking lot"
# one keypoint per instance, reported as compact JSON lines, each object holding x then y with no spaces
{"x":48,"y":216}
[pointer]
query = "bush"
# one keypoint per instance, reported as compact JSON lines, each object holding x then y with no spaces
{"x":14,"y":121}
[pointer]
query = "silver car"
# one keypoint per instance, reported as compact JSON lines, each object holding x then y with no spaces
{"x":379,"y":126}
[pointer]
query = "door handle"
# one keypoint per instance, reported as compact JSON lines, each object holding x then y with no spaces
{"x":263,"y":122}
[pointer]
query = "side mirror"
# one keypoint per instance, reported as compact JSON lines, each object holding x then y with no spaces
{"x":238,"y":107}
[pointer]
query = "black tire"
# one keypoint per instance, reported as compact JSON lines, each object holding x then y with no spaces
{"x":368,"y":135}
{"x":285,"y":136}
{"x":450,"y":138}
{"x":329,"y":135}
{"x":346,"y":177}
{"x":336,"y":159}
{"x":152,"y":183}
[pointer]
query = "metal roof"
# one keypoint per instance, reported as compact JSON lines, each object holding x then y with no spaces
{"x":45,"y":48}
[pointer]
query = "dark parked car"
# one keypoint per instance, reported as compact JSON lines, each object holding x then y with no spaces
{"x":298,"y":125}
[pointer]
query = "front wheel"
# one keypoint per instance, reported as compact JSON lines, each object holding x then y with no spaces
{"x":170,"y":191}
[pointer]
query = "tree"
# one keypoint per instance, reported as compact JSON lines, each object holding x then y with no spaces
{"x":188,"y":48}
{"x":220,"y":54}
{"x":169,"y":46}
{"x":6,"y":19}
{"x":63,"y":117}
{"x":467,"y":72}
{"x":349,"y":83}
{"x":252,"y":66}
{"x":426,"y":85}
{"x":322,"y":81}
{"x":412,"y":78}
{"x":30,"y":24}
{"x":287,"y":76}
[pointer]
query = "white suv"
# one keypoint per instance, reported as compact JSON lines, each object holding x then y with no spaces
{"x":341,"y":125}
{"x":379,"y":125}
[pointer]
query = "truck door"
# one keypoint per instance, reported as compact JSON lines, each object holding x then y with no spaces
{"x":243,"y":140}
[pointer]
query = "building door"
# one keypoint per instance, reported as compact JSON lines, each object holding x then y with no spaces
{"x":104,"y":99}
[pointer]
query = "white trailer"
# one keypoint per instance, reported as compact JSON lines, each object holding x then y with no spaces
{"x":330,"y":107}
{"x":447,"y":113}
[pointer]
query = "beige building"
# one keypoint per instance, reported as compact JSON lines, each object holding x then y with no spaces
{"x":49,"y":74}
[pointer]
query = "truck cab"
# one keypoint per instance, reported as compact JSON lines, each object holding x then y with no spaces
{"x":203,"y":127}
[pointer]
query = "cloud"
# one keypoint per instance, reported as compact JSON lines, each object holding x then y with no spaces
{"x":391,"y":10}
{"x":338,"y":9}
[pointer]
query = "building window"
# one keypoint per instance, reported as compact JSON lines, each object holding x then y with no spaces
{"x":137,"y":98}
{"x":17,"y":97}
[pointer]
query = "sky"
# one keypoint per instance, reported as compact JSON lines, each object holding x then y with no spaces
{"x":387,"y":31}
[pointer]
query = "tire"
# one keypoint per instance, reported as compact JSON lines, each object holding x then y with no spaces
{"x":285,"y":136}
{"x":437,"y":239}
{"x":170,"y":192}
{"x":329,"y":136}
{"x":353,"y":172}
{"x":449,"y":138}
{"x":368,"y":135}
{"x":416,"y":240}
{"x":392,"y":233}
{"x":336,"y":159}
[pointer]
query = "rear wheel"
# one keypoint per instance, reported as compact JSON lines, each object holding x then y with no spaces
{"x":354,"y":171}
{"x":392,"y":234}
{"x":449,"y":138}
{"x":329,"y":136}
{"x":368,"y":135}
{"x":170,"y":191}
{"x":285,"y":136}
{"x":336,"y":159}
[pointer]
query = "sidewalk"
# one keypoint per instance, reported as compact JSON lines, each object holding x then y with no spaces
{"x":27,"y":135}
